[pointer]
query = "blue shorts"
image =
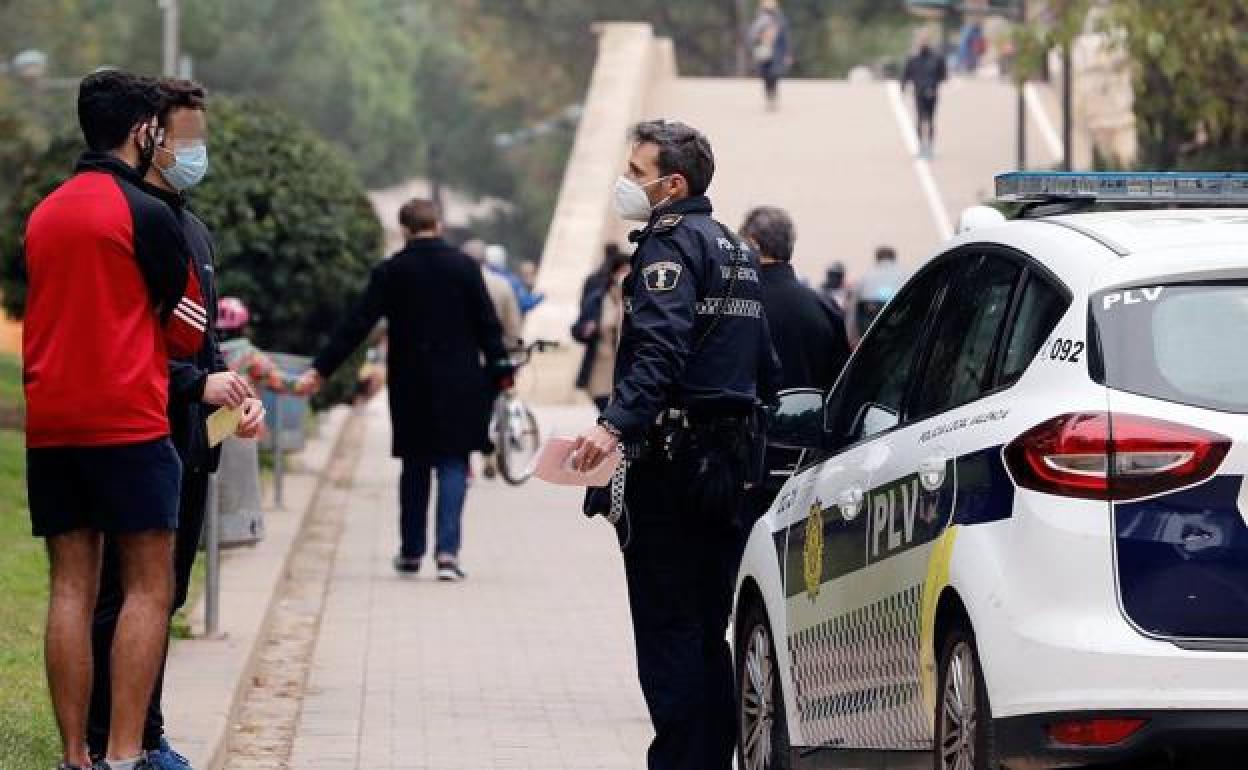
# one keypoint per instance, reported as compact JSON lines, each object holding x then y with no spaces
{"x":112,"y":489}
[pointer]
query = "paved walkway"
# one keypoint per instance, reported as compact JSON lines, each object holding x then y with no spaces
{"x":528,"y":664}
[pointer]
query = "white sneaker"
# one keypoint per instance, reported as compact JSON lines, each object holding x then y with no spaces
{"x":449,"y":572}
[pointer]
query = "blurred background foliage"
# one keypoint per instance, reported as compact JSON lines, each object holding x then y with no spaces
{"x":420,"y":88}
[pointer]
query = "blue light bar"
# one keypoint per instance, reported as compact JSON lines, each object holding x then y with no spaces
{"x":1123,"y":187}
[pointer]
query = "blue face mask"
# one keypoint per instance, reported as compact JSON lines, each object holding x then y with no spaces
{"x":190,"y":164}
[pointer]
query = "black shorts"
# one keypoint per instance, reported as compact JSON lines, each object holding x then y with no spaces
{"x":113,"y":489}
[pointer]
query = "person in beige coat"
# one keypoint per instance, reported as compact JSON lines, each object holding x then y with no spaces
{"x":501,"y":294}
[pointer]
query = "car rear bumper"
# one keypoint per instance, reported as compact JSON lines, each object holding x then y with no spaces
{"x":1023,"y":742}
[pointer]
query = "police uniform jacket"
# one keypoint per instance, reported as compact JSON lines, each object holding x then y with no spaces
{"x":685,"y":342}
{"x":445,"y":351}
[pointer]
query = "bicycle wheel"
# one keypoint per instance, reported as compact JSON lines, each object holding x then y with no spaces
{"x":518,"y":442}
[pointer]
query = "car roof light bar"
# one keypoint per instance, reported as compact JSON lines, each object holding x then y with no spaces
{"x":1224,"y":188}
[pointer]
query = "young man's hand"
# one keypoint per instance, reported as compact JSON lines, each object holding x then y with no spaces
{"x":226,"y":389}
{"x":309,"y":384}
{"x":252,"y":421}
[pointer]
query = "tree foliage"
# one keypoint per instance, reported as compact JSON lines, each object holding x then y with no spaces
{"x":295,"y":232}
{"x":1190,"y":66}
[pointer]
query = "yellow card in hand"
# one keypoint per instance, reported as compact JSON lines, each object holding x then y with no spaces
{"x":222,"y":424}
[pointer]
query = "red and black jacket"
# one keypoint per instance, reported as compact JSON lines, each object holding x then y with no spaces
{"x":111,"y":299}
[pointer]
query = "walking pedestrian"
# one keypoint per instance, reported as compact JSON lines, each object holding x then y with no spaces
{"x":610,"y":322}
{"x":873,"y":291}
{"x":501,"y":294}
{"x":585,"y":329}
{"x":926,"y":71}
{"x":112,"y":297}
{"x":695,"y":359}
{"x":833,"y":287}
{"x":197,"y":386}
{"x":807,"y":330}
{"x":441,"y":324}
{"x":769,"y":45}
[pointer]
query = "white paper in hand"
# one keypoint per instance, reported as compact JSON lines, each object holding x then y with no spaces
{"x":555,"y":465}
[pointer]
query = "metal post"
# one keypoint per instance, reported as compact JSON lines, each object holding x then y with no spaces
{"x":743,"y":31}
{"x":212,"y":552}
{"x":1068,"y":154}
{"x":171,"y":52}
{"x":278,"y":459}
{"x":1022,"y":93}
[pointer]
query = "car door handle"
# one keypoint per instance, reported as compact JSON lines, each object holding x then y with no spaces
{"x":932,"y":472}
{"x":851,"y":503}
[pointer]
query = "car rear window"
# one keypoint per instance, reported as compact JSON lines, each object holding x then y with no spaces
{"x":1186,"y":343}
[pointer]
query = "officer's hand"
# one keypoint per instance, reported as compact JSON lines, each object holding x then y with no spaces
{"x":592,"y":447}
{"x":226,"y":389}
{"x":252,"y":421}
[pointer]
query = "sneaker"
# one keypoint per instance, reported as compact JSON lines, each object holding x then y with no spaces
{"x":449,"y":571}
{"x":165,"y":758}
{"x":407,"y":566}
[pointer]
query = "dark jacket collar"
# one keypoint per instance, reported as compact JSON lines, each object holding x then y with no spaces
{"x":697,"y":204}
{"x":111,"y":164}
{"x":779,"y":271}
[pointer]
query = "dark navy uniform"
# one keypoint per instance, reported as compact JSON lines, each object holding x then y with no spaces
{"x":695,"y":361}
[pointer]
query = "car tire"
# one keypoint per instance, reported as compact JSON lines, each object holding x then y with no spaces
{"x":761,"y":720}
{"x":965,"y":739}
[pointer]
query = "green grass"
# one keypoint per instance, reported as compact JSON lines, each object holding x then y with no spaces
{"x":28,"y":737}
{"x":10,"y":380}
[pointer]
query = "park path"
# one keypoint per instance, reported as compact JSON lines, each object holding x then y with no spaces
{"x":527,"y":664}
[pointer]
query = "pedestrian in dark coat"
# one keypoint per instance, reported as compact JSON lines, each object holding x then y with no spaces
{"x":807,"y":331}
{"x":445,"y":363}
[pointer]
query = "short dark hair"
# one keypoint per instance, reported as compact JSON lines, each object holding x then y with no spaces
{"x":419,"y":215}
{"x":111,"y":103}
{"x":683,"y":150}
{"x":772,"y":229}
{"x":885,"y":254}
{"x":181,"y":94}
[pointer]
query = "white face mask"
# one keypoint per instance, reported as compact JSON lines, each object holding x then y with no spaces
{"x":631,"y":201}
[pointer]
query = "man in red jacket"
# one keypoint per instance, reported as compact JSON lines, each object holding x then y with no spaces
{"x":111,"y":300}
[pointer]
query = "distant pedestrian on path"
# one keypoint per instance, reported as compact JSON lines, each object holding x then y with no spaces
{"x":506,"y":306}
{"x":587,"y":329}
{"x":198,"y":386}
{"x":112,"y":298}
{"x":926,"y":71}
{"x":769,"y":46}
{"x":446,"y":365}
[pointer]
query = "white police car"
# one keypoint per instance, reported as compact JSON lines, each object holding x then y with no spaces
{"x":1019,"y":534}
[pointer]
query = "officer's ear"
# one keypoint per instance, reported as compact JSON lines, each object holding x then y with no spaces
{"x":680,"y":186}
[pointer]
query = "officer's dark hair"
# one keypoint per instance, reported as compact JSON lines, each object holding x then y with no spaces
{"x":111,"y":103}
{"x":772,"y":229}
{"x":419,"y":215}
{"x":682,"y":150}
{"x":885,"y":254}
{"x":181,"y":94}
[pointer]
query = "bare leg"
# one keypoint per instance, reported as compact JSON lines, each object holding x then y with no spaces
{"x":142,"y":630}
{"x":75,"y":563}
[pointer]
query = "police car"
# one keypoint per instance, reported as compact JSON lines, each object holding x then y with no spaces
{"x":1018,"y":536}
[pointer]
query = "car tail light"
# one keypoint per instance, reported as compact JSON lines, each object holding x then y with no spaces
{"x":1098,"y":456}
{"x":1094,"y":732}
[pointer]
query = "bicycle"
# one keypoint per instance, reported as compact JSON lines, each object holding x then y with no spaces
{"x":513,"y":426}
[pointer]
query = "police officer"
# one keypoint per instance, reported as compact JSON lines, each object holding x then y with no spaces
{"x":694,"y":363}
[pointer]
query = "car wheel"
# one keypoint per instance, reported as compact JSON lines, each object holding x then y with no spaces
{"x":764,"y":730}
{"x":964,"y":734}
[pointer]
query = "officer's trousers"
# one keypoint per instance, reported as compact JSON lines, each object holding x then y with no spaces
{"x":681,"y":566}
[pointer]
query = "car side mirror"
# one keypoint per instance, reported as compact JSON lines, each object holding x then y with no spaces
{"x":798,"y":422}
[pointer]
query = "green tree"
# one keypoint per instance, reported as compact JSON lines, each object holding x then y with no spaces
{"x":295,"y":232}
{"x":1190,"y":64}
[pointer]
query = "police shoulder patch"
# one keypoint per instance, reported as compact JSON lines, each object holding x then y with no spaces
{"x":662,"y":276}
{"x":667,"y":222}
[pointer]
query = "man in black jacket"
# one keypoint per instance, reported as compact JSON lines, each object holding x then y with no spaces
{"x":806,"y":330}
{"x":440,"y":322}
{"x":197,"y":387}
